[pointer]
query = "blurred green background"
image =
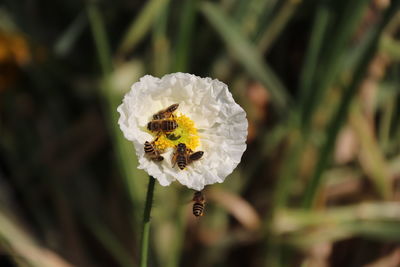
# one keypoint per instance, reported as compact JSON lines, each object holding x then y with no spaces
{"x":319,"y":184}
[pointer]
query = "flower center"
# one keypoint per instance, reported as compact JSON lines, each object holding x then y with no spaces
{"x":186,"y":133}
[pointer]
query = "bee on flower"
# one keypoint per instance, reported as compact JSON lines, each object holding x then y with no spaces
{"x":203,"y":138}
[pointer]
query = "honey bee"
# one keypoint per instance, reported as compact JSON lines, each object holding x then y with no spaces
{"x":152,"y":152}
{"x":199,"y":203}
{"x":165,"y":113}
{"x":184,"y":156}
{"x":164,"y":125}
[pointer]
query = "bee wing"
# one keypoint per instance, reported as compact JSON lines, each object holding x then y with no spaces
{"x":196,"y":155}
{"x":187,"y":202}
{"x":172,"y":108}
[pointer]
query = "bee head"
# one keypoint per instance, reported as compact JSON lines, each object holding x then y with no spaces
{"x":173,"y":107}
{"x":181,"y":147}
{"x":198,"y":196}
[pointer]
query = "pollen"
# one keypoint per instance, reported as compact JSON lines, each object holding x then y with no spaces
{"x":163,"y":143}
{"x":186,"y":133}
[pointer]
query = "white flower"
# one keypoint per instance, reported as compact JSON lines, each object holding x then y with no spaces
{"x":208,"y":120}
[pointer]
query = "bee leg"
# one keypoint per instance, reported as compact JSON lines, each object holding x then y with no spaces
{"x":188,"y":161}
{"x":174,"y":159}
{"x":158,"y":136}
{"x":155,"y":140}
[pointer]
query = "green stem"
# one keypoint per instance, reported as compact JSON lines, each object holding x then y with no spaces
{"x":144,"y":246}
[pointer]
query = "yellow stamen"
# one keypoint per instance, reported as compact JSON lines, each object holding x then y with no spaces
{"x":185,"y":133}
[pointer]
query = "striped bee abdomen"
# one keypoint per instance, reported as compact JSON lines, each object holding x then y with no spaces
{"x":153,"y":126}
{"x":198,"y":209}
{"x":181,"y":161}
{"x":168,"y":125}
{"x":152,"y":152}
{"x":165,"y":125}
{"x":199,"y":204}
{"x":148,"y":148}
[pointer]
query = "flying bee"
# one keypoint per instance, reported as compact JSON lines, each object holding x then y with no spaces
{"x":184,"y":156}
{"x":164,"y":125}
{"x":166,"y":113}
{"x":199,"y":203}
{"x":152,"y":152}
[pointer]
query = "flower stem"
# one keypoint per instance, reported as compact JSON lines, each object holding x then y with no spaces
{"x":144,"y":246}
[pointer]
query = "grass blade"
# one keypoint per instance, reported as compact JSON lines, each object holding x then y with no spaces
{"x":141,"y":25}
{"x":247,"y":54}
{"x":253,"y":14}
{"x":378,"y":220}
{"x":340,"y":116}
{"x":371,"y":156}
{"x":332,"y":61}
{"x":161,"y":45}
{"x":67,"y":40}
{"x":313,"y":51}
{"x":24,"y":249}
{"x":110,"y":242}
{"x":126,"y":158}
{"x":276,"y":26}
{"x":185,"y":33}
